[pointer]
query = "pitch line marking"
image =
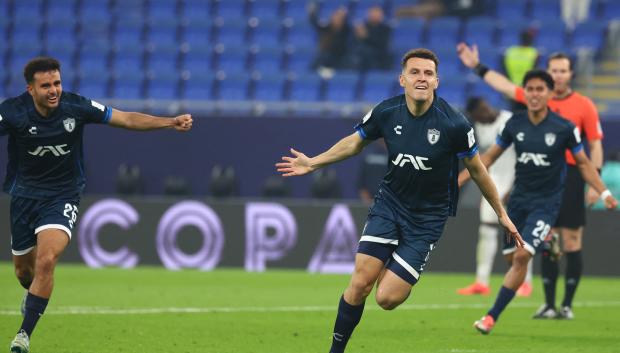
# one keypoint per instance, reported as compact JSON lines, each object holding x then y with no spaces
{"x":255,"y":309}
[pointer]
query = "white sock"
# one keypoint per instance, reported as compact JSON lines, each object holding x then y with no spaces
{"x":528,"y":275}
{"x":485,"y":252}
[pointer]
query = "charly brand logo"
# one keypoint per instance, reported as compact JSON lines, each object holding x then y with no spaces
{"x":69,"y":124}
{"x":417,"y":161}
{"x":539,"y":159}
{"x":58,"y":150}
{"x":520,"y":136}
{"x":398,"y":129}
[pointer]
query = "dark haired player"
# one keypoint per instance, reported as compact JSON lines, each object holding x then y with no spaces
{"x":425,"y":138}
{"x":540,"y":138}
{"x":45,"y":175}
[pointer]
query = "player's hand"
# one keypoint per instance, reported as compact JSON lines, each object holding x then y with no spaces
{"x":610,"y":202}
{"x":293,"y":166}
{"x":183,"y":122}
{"x":591,"y":197}
{"x":511,"y":231}
{"x":468,"y":55}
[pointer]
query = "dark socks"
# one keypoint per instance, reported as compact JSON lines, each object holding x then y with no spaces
{"x":550,"y":272}
{"x":35,"y":307}
{"x":348,"y":317}
{"x":574,"y":267}
{"x":504,"y":297}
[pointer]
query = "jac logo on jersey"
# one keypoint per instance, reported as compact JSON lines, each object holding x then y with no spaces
{"x":539,"y":159}
{"x":58,"y":150}
{"x":417,"y":161}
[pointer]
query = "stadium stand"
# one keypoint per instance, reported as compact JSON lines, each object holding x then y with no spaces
{"x":164,"y":50}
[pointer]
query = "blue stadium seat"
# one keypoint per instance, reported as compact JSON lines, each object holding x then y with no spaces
{"x":545,"y":9}
{"x":453,"y":90}
{"x":231,"y":9}
{"x":97,"y":48}
{"x":91,"y":11}
{"x":198,"y":35}
{"x":444,"y":30}
{"x":301,"y":32}
{"x":163,"y":59}
{"x":161,"y":11}
{"x":196,"y":10}
{"x":610,"y":10}
{"x":268,"y":33}
{"x":198,"y":61}
{"x":128,"y":85}
{"x":510,"y":32}
{"x":232,"y":59}
{"x":300,"y":60}
{"x":16,"y":84}
{"x":590,"y":34}
{"x":25,"y":9}
{"x":162,"y":86}
{"x":481,"y":89}
{"x":407,"y":33}
{"x":269,"y":88}
{"x":128,"y":33}
{"x":59,"y":11}
{"x":266,"y":10}
{"x":268,"y":61}
{"x":231,"y":32}
{"x":306,"y":88}
{"x":198,"y":87}
{"x":233,"y":87}
{"x":128,"y":63}
{"x":161,"y":34}
{"x":511,"y":9}
{"x":295,"y":10}
{"x":343,"y":87}
{"x":551,"y":36}
{"x":481,"y":31}
{"x":93,"y":84}
{"x":63,"y":51}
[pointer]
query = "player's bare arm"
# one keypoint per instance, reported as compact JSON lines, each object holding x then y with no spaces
{"x":479,"y":174}
{"x":590,"y":175}
{"x":470,"y":58}
{"x":487,"y":159}
{"x":596,"y":157}
{"x":301,"y":164}
{"x":140,"y":121}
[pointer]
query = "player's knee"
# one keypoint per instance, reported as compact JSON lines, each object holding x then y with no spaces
{"x":24,"y":276}
{"x":389,"y":302}
{"x":46,"y":263}
{"x":521,"y":258}
{"x":361,"y":286}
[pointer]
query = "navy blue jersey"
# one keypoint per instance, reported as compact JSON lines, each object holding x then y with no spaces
{"x":45,"y":154}
{"x":423,"y":151}
{"x":541,"y":165}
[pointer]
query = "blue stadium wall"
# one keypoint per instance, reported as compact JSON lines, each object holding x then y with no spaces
{"x":251,"y":145}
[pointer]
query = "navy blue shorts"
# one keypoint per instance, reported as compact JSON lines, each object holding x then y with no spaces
{"x":30,"y":216}
{"x":533,"y":223}
{"x":402,"y":240}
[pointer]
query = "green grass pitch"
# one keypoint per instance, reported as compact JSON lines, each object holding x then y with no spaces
{"x":152,"y":310}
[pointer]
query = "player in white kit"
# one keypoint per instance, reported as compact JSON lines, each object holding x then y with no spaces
{"x":487,"y":124}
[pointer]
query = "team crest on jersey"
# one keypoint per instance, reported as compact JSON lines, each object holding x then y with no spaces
{"x":432,"y":136}
{"x":550,"y":139}
{"x":69,"y":124}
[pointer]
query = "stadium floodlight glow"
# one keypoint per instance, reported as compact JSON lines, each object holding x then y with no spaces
{"x":260,"y":245}
{"x":179,"y":216}
{"x":336,"y":250}
{"x":107,"y":211}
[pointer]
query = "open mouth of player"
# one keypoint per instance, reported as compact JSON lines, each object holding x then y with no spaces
{"x":52,"y":100}
{"x":421,"y":88}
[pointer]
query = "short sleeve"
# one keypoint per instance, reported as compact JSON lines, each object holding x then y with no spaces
{"x":504,"y":138}
{"x":369,"y":128}
{"x":520,"y":95}
{"x":573,"y":142}
{"x":92,"y":111}
{"x":465,"y":140}
{"x":591,"y":123}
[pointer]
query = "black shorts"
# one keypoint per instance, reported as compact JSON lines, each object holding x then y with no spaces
{"x":573,"y":209}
